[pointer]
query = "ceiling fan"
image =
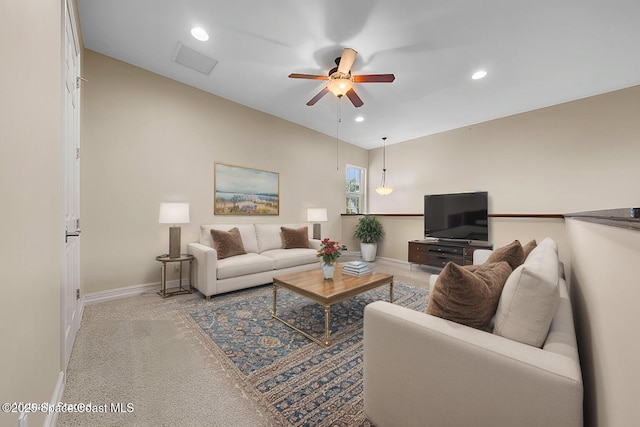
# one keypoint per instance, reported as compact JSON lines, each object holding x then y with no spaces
{"x":341,"y":81}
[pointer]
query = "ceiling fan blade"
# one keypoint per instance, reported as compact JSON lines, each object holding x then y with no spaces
{"x":374,"y":78}
{"x":346,"y":60}
{"x":307,"y":76}
{"x":316,"y":98}
{"x":354,"y":98}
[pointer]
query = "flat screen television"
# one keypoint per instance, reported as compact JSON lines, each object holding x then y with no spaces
{"x":457,"y":216}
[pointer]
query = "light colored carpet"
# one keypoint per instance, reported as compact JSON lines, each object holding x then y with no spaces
{"x":141,"y":351}
{"x":136,"y":351}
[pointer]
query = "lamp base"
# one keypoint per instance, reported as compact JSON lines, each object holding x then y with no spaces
{"x":174,"y":242}
{"x":316,"y":232}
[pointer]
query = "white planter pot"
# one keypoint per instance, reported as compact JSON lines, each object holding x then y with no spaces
{"x":368,"y":251}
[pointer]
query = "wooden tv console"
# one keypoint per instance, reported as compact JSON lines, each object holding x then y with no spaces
{"x":436,"y":253}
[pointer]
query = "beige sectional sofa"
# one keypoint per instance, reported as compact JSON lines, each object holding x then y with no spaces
{"x":266,"y":256}
{"x":423,"y":370}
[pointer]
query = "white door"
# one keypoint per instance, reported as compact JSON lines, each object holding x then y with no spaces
{"x":71,"y":276}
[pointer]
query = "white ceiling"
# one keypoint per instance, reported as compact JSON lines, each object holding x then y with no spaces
{"x":536,"y":53}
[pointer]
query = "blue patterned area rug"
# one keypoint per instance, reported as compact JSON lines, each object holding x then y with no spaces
{"x":299,"y":382}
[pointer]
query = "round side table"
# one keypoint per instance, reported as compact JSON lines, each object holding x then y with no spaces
{"x":166,"y":259}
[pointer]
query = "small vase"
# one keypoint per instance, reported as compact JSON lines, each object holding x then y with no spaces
{"x":327,"y":270}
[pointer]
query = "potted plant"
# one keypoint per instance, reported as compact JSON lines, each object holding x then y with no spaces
{"x":369,"y":231}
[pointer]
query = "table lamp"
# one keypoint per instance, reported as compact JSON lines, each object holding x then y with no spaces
{"x":316,"y":215}
{"x":174,"y":213}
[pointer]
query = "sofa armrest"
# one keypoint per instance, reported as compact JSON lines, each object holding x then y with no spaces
{"x":315,"y":244}
{"x":205,"y":268}
{"x":423,"y":370}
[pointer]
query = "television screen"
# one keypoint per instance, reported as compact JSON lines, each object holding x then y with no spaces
{"x":457,"y":216}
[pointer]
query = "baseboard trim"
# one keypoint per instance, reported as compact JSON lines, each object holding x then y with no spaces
{"x":391,"y":261}
{"x":135,"y":290}
{"x":118,"y":293}
{"x":408,"y":266}
{"x":56,"y":397}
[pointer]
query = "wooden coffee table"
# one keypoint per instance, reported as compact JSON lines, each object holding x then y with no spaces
{"x":312,"y":285}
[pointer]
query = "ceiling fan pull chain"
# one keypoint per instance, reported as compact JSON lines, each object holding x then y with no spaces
{"x":339,"y":114}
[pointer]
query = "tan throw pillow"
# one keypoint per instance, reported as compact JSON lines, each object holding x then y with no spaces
{"x":512,"y":253}
{"x":528,"y":248}
{"x":468,"y":295}
{"x":295,"y":237}
{"x":227,"y":243}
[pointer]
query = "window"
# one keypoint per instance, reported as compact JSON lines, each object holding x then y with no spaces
{"x":355,"y":189}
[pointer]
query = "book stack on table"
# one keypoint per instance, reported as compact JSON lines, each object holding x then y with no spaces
{"x":356,"y":268}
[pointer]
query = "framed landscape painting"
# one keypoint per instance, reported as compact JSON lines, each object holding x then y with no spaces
{"x":244,"y":191}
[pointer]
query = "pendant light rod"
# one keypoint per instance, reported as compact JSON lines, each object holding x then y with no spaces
{"x":384,"y":153}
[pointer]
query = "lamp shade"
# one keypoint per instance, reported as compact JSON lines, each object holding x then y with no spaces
{"x":339,"y":87}
{"x":316,"y":214}
{"x":384,"y":190}
{"x":174,"y":213}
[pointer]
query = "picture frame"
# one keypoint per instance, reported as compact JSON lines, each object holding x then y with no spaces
{"x":240,"y":190}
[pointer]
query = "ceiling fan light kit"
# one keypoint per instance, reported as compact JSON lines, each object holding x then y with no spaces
{"x":339,"y":87}
{"x":341,"y":81}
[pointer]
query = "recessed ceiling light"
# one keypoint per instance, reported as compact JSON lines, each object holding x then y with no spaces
{"x":359,"y":119}
{"x":479,"y":74}
{"x":199,"y":34}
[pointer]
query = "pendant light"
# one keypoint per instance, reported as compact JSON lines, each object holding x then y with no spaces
{"x":383,"y":189}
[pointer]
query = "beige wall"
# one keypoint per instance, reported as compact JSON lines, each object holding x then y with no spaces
{"x":148,"y":139}
{"x":571,"y":157}
{"x":30,"y":211}
{"x":606,"y":295}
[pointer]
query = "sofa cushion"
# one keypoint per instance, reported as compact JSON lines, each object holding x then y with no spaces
{"x":269,"y":236}
{"x":511,"y":253}
{"x":530,"y":297}
{"x":247,"y":232}
{"x":243,"y":265}
{"x":295,"y":237}
{"x":285,"y":258}
{"x":227,"y":243}
{"x":468,"y":295}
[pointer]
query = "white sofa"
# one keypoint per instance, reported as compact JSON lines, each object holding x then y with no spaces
{"x":265,"y":258}
{"x":422,"y":370}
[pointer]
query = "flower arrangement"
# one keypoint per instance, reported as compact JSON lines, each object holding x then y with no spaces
{"x":329,"y":250}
